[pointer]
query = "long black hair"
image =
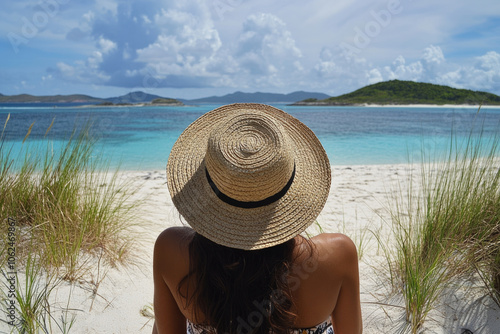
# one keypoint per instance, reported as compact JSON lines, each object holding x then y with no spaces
{"x":239,"y":291}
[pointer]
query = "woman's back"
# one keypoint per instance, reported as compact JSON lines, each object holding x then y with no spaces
{"x":322,"y":279}
{"x":249,"y":179}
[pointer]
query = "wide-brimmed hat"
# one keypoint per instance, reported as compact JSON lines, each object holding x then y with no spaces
{"x":248,"y":176}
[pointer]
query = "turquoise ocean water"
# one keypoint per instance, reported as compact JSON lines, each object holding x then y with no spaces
{"x":140,"y":138}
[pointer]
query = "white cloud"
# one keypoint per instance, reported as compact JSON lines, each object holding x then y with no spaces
{"x":88,"y":71}
{"x":347,"y":73}
{"x":65,"y":69}
{"x":433,"y":54}
{"x":490,"y":62}
{"x":427,"y":68}
{"x":374,"y":76}
{"x":83,"y":72}
{"x":483,"y":74}
{"x":400,"y":70}
{"x":146,"y":19}
{"x":106,"y":45}
{"x":94,"y":60}
{"x":265,"y":46}
{"x":326,"y":67}
{"x":89,"y":16}
{"x":188,"y":43}
{"x":186,"y":46}
{"x":338,"y":73}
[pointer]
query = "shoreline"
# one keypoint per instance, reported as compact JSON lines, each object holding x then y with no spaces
{"x":356,"y":206}
{"x":374,"y":105}
{"x":461,"y":106}
{"x":295,"y":104}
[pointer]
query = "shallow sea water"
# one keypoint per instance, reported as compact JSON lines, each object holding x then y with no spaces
{"x":140,"y":138}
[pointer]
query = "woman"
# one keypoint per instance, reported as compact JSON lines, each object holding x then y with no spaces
{"x":249,"y":179}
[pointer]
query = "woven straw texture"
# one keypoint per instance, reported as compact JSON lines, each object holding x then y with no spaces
{"x":251,"y":152}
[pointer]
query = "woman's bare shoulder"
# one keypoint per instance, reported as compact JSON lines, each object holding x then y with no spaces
{"x":176,"y":234}
{"x":333,"y":240}
{"x":171,"y":249}
{"x":335,"y":249}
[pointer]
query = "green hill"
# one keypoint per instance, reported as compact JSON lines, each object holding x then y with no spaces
{"x":26,"y":98}
{"x":127,"y":99}
{"x":166,"y":101}
{"x":409,"y":92}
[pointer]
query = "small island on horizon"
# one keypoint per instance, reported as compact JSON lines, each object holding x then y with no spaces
{"x":397,"y":92}
{"x":130,"y":99}
{"x":393,"y":92}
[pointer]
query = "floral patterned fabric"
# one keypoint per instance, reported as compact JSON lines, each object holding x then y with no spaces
{"x":323,"y":328}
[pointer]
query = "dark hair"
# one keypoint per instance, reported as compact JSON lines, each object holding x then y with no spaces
{"x":238,"y":291}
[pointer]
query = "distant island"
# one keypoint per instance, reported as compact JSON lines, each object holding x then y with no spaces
{"x":141,"y":98}
{"x":133,"y":98}
{"x":397,"y":92}
{"x":259,"y":97}
{"x":26,"y":98}
{"x":394,"y":92}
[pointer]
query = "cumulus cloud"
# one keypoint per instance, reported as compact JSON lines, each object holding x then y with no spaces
{"x":88,"y":71}
{"x":106,"y":45}
{"x":265,"y":52}
{"x":374,"y":76}
{"x":433,"y":55}
{"x":152,"y":44}
{"x":346,"y":73}
{"x":400,"y":70}
{"x":149,"y":44}
{"x":341,"y":73}
{"x":82,"y":72}
{"x":483,"y":74}
{"x":266,"y":46}
{"x":117,"y":31}
{"x":186,"y":45}
{"x":427,"y":68}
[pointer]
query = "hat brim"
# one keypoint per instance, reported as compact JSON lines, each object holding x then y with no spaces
{"x":232,"y":226}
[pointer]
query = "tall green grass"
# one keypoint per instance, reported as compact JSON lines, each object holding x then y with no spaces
{"x":72,"y":215}
{"x":446,"y":225}
{"x":33,"y":304}
{"x":68,"y":205}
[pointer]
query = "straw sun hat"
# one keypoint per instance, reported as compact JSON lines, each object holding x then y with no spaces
{"x":248,"y":176}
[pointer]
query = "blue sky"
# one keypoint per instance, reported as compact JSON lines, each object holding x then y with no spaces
{"x":196,"y":48}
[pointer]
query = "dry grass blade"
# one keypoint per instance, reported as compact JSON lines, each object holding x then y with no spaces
{"x":29,"y":132}
{"x":6,"y":121}
{"x":50,"y":127}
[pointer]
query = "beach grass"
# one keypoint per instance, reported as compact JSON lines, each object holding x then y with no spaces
{"x":446,"y":225}
{"x":31,"y":303}
{"x":67,"y":205}
{"x":68,"y":215}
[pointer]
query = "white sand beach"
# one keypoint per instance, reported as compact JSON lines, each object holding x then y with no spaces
{"x":356,"y":206}
{"x":450,"y":106}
